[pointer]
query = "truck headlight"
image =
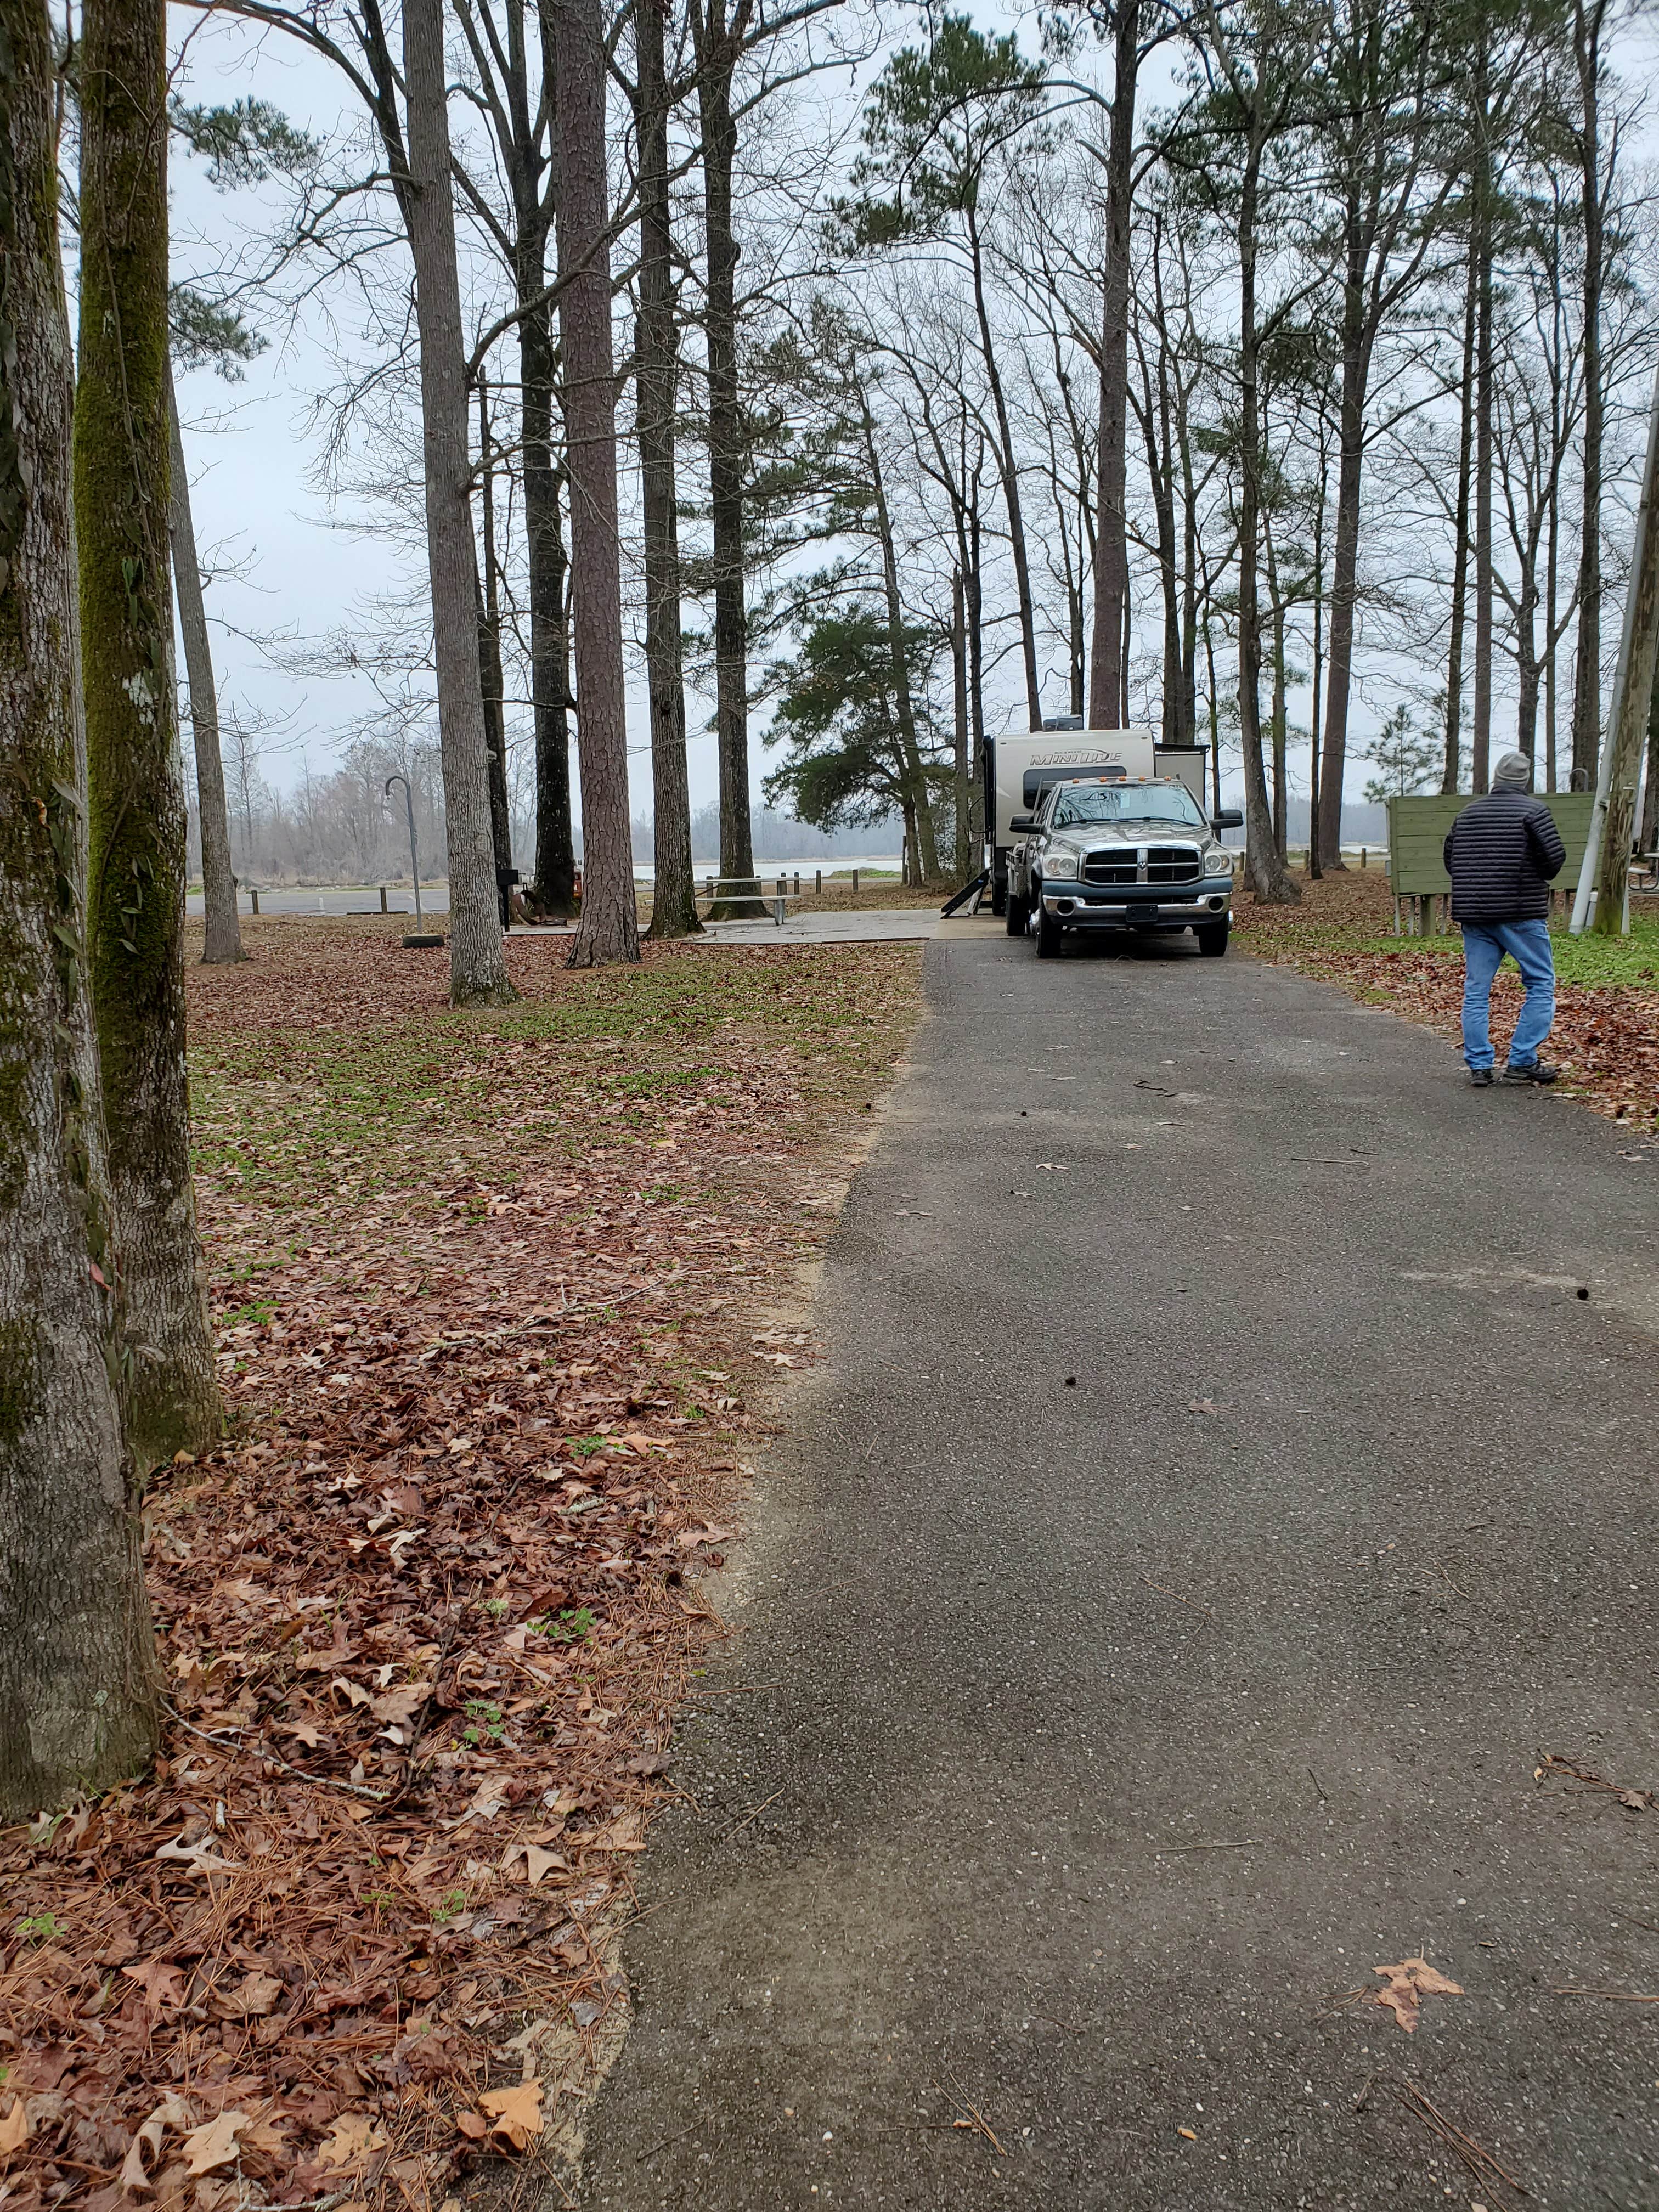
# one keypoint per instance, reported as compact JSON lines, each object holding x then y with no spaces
{"x":1061,"y":865}
{"x":1217,"y":861}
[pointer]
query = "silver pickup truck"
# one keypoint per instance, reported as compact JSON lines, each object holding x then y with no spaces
{"x":1119,"y":854}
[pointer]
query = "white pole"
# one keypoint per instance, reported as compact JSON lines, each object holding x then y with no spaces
{"x":1591,"y":868}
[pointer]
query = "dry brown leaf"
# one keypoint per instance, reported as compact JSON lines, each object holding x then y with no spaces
{"x":162,"y":1983}
{"x":1406,"y":1983}
{"x":213,"y":2143}
{"x":398,"y":1705}
{"x":14,"y":2129}
{"x":352,"y":2141}
{"x":257,"y":1993}
{"x":171,"y":2113}
{"x":472,"y":2125}
{"x":517,"y":2113}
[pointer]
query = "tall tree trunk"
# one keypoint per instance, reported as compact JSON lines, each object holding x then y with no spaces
{"x":1111,"y":541}
{"x":673,"y":902}
{"x":1315,"y":867}
{"x":962,"y":745}
{"x":1345,"y":566}
{"x":478,"y":970}
{"x":1587,"y":682}
{"x":1480,"y":734}
{"x":1008,"y":469}
{"x":78,"y":1679}
{"x":1452,"y":773}
{"x":609,"y":929}
{"x":1651,"y":795}
{"x":1271,"y":881}
{"x":492,"y":681}
{"x":223,"y":936}
{"x":137,"y":896}
{"x":554,"y":892}
{"x":923,"y":845}
{"x":1552,"y":640}
{"x":727,"y":448}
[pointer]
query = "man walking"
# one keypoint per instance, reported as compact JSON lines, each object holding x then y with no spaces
{"x":1501,"y":853}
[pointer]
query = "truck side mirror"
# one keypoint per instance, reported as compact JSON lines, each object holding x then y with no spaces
{"x":1022,"y":822}
{"x":1227,"y":817}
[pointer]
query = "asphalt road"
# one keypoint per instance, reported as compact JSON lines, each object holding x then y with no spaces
{"x":1107,"y":1732}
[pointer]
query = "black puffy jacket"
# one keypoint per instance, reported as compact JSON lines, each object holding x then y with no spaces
{"x":1500,"y":853}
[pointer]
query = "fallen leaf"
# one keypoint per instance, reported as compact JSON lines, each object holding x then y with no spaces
{"x":1405,"y":1983}
{"x":215,"y":2143}
{"x":518,"y":2112}
{"x":14,"y":2129}
{"x":200,"y":1858}
{"x":352,"y":2141}
{"x":472,"y":2125}
{"x":355,"y":1690}
{"x":162,"y":1983}
{"x":396,"y":1705}
{"x":171,"y":2113}
{"x":303,"y":1729}
{"x":257,"y":1993}
{"x":1188,"y":2133}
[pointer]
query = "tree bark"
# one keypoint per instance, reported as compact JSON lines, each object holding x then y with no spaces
{"x":1481,"y":733}
{"x":1271,"y":880}
{"x":959,"y":722}
{"x":609,"y":929}
{"x":726,"y":444}
{"x":1008,"y":469}
{"x":478,"y":970}
{"x":1454,"y":764}
{"x":137,"y":811}
{"x":673,"y":900}
{"x":78,"y":1679}
{"x":1587,"y":681}
{"x":923,"y":845}
{"x":1344,"y":564}
{"x":224,"y":935}
{"x":555,"y":888}
{"x":1111,"y":543}
{"x":492,"y":680}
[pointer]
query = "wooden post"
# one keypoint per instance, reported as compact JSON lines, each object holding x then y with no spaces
{"x":855,"y":885}
{"x":797,"y":883}
{"x":1396,"y":913}
{"x":383,"y":904}
{"x":818,"y":879}
{"x":253,"y":894}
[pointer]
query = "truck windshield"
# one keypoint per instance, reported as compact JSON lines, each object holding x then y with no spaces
{"x":1127,"y":802}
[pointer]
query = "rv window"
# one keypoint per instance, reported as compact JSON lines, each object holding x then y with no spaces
{"x":1039,"y":780}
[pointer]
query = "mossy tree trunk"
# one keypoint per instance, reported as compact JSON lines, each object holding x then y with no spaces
{"x":223,"y":939}
{"x":673,"y":900}
{"x":77,"y":1686}
{"x":136,"y":811}
{"x":477,"y":968}
{"x":609,"y":929}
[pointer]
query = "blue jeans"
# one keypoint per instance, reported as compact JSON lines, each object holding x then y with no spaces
{"x":1485,"y":944}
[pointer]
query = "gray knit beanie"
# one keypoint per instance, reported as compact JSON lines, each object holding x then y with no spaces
{"x":1512,"y":772}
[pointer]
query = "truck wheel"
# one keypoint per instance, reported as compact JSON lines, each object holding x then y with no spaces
{"x":1018,"y":915}
{"x":1047,"y":936}
{"x":1212,"y":939}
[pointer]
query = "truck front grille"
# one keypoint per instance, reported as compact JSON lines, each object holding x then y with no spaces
{"x":1164,"y":863}
{"x":1117,"y":865}
{"x":1171,"y":864}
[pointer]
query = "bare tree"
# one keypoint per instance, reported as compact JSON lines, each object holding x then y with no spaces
{"x":224,"y":935}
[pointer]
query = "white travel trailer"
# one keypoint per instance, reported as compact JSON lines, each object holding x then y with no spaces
{"x":1019,"y":769}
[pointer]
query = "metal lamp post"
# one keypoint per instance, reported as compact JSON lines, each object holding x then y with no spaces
{"x":414,"y":852}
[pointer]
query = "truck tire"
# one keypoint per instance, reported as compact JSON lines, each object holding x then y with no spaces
{"x":1048,"y":936}
{"x":1212,"y":939}
{"x":1018,"y":913}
